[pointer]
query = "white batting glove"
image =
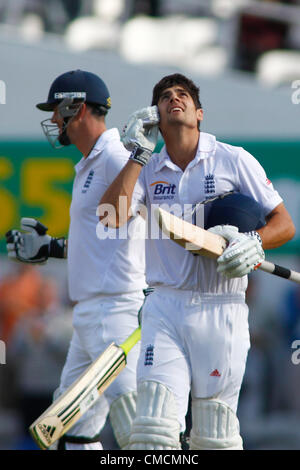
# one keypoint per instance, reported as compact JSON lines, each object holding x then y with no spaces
{"x":34,"y":246}
{"x":243,"y":254}
{"x":140,"y":134}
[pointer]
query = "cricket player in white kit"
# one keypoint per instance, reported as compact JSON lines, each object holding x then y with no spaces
{"x":106,"y":276}
{"x":195,"y":334}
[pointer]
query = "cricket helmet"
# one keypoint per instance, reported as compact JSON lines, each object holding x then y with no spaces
{"x":77,"y":85}
{"x":69,"y":92}
{"x":235,"y":209}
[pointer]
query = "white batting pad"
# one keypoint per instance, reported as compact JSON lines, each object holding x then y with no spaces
{"x":122,"y":413}
{"x":156,"y":426}
{"x":215,"y":426}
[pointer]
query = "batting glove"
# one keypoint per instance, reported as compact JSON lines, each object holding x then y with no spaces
{"x":34,"y":246}
{"x":140,"y":134}
{"x":243,"y":254}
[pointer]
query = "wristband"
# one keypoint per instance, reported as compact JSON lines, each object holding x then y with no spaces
{"x":57,"y":248}
{"x":140,"y":155}
{"x":254,"y":234}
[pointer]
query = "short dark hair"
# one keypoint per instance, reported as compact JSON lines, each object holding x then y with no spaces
{"x":97,"y":110}
{"x":176,"y":79}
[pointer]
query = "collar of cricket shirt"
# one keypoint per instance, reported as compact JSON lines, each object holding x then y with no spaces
{"x":106,"y":136}
{"x":206,"y":148}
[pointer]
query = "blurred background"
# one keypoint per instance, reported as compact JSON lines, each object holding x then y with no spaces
{"x":245,"y":56}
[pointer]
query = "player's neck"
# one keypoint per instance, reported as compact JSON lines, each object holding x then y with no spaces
{"x":88,"y":139}
{"x":182,"y":146}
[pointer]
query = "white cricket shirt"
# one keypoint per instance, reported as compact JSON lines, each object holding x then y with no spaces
{"x":216,"y":169}
{"x":108,"y":265}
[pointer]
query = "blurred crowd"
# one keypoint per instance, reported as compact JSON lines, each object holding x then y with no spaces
{"x":269,"y":408}
{"x":209,"y":36}
{"x":36,"y":327}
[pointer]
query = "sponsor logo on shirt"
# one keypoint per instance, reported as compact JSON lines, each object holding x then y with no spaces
{"x":88,"y":181}
{"x":163,"y":190}
{"x":209,"y":184}
{"x":149,"y":355}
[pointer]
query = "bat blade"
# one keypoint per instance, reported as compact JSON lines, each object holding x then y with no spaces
{"x":189,"y":236}
{"x":82,"y":394}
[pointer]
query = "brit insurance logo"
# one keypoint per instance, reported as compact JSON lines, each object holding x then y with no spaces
{"x":163,"y":190}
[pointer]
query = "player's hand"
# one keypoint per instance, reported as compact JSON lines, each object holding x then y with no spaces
{"x":243,"y":254}
{"x":140,"y":134}
{"x":34,"y":245}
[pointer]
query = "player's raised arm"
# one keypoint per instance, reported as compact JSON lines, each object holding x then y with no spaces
{"x":139,"y":136}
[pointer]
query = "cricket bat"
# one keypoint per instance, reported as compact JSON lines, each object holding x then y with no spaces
{"x":82,"y":394}
{"x":200,"y":241}
{"x":189,"y":236}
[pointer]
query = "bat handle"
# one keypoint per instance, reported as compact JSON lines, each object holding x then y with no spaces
{"x":131,"y":340}
{"x":279,"y":271}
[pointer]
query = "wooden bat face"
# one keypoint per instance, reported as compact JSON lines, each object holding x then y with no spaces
{"x":189,"y":236}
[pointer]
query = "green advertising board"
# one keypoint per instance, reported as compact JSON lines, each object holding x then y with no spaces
{"x":36,"y":181}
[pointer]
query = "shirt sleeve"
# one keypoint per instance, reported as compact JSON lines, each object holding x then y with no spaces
{"x":254,"y":182}
{"x":116,"y":159}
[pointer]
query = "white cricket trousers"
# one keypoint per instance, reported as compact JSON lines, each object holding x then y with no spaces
{"x":97,"y":322}
{"x":194,"y":342}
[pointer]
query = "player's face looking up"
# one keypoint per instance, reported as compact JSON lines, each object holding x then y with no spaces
{"x":176,"y":107}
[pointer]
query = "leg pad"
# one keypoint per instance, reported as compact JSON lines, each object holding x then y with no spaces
{"x":122,"y":414}
{"x":156,"y":426}
{"x":215,"y":426}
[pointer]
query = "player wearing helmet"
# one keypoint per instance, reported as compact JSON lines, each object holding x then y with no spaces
{"x":66,"y":97}
{"x":105,"y":275}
